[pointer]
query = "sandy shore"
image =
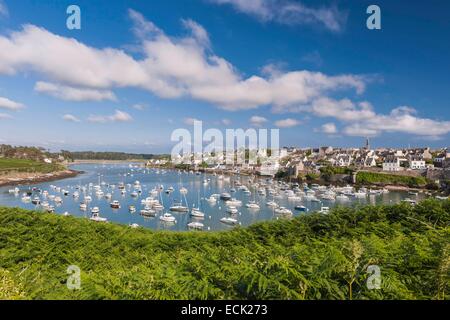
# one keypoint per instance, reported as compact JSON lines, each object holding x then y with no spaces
{"x":24,"y":178}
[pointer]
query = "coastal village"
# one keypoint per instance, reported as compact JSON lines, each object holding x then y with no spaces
{"x":325,"y":164}
{"x":303,"y":163}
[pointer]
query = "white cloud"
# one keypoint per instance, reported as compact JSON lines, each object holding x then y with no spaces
{"x":290,"y":12}
{"x":73,"y":94}
{"x":401,"y":120}
{"x":190,"y":121}
{"x":6,"y":103}
{"x":170,"y":68}
{"x":70,"y":118}
{"x":329,"y":128}
{"x":118,"y":116}
{"x":287,"y":123}
{"x":4,"y":116}
{"x":257,"y":121}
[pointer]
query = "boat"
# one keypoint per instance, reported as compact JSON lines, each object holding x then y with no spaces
{"x":167,"y":217}
{"x":183,"y":190}
{"x":195,"y":212}
{"x":87,"y":198}
{"x":95,"y":210}
{"x":96,"y":217}
{"x":232,"y":210}
{"x":211,"y":199}
{"x":58,"y":200}
{"x":134,"y":194}
{"x":324,"y":210}
{"x":14,"y":191}
{"x":178,"y":207}
{"x":283,"y":210}
{"x":132,"y":209}
{"x":413,"y":193}
{"x":26,"y":198}
{"x":301,"y":208}
{"x":196,"y":225}
{"x":229,"y":220}
{"x":115,"y":204}
{"x":83,"y":206}
{"x":134,"y":226}
{"x":148,"y":212}
{"x":272,"y":204}
{"x":36,"y":201}
{"x":225,"y":196}
{"x":233,"y":202}
{"x":252,"y":205}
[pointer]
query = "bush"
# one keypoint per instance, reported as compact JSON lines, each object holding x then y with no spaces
{"x":364,"y":177}
{"x":313,"y":256}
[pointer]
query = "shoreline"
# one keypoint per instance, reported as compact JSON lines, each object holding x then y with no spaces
{"x":39,"y":178}
{"x":104,"y":162}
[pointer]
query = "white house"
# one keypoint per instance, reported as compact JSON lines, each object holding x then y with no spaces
{"x":391,"y":163}
{"x":417,"y":163}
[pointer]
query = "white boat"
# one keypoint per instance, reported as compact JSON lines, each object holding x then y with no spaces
{"x":195,"y":212}
{"x":211,"y":199}
{"x":83,"y":206}
{"x":148,"y":212}
{"x":233,"y":202}
{"x":26,"y":198}
{"x":132,"y":209}
{"x":283,"y":211}
{"x":196,"y":225}
{"x":252,"y":205}
{"x":272,"y":204}
{"x":36,"y":200}
{"x":14,"y":191}
{"x":167,"y":217}
{"x":87,"y":198}
{"x":228,"y":220}
{"x":58,"y":200}
{"x":183,"y":190}
{"x":134,"y":194}
{"x":134,"y":226}
{"x":324,"y":210}
{"x":225,"y":196}
{"x":95,"y":210}
{"x":232,"y":210}
{"x":179,"y":208}
{"x":96,"y":217}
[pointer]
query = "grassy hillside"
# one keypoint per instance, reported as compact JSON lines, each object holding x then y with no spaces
{"x":364,"y":177}
{"x":311,"y":257}
{"x":23,"y":165}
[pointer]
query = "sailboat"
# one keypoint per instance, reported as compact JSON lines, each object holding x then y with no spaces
{"x":178,"y":207}
{"x":196,"y":212}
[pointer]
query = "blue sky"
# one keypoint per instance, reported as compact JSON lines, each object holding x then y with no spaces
{"x":137,"y":70}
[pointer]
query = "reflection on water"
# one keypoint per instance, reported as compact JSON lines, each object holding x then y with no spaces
{"x":200,"y":187}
